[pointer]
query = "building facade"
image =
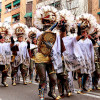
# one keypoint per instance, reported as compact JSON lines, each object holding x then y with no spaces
{"x":13,"y":11}
{"x":0,"y":10}
{"x":28,"y":15}
{"x":96,"y":9}
{"x":77,"y":7}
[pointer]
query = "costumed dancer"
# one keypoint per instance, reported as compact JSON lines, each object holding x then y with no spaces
{"x":65,"y":18}
{"x":73,"y":33}
{"x":45,"y":17}
{"x":32,"y":35}
{"x":94,"y":38}
{"x":5,"y":52}
{"x":20,"y":50}
{"x":70,"y":57}
{"x":86,"y":22}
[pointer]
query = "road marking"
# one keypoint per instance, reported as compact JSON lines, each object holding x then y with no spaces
{"x":90,"y":94}
{"x":95,"y":93}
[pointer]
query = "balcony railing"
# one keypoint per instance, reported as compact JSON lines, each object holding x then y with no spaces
{"x":15,"y":21}
{"x":16,"y":7}
{"x":9,"y":10}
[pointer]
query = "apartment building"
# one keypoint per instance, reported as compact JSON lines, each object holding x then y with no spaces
{"x":0,"y":10}
{"x":96,"y":9}
{"x":13,"y":11}
{"x":77,"y":7}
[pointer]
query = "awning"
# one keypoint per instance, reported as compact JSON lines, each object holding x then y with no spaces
{"x":16,"y":2}
{"x":98,"y":13}
{"x":9,"y":5}
{"x":15,"y":15}
{"x":0,"y":10}
{"x":55,"y":4}
{"x":28,"y":15}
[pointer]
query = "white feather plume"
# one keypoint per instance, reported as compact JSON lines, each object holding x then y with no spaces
{"x":40,"y":13}
{"x":20,"y":25}
{"x":68,"y":16}
{"x":92,"y":20}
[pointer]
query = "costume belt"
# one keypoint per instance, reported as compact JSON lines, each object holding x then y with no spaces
{"x":40,"y":58}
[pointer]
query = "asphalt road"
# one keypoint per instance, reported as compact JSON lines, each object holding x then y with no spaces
{"x":30,"y":92}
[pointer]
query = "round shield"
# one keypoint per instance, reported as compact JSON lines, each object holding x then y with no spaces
{"x":47,"y":41}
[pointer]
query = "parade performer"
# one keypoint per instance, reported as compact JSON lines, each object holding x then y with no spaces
{"x":65,"y":79}
{"x":87,"y":23}
{"x":45,"y":18}
{"x":94,"y":36}
{"x":5,"y":52}
{"x":20,"y":50}
{"x":32,"y":35}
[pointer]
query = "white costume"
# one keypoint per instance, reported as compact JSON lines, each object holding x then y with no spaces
{"x":88,"y":52}
{"x":89,"y":22}
{"x":22,"y":58}
{"x":22,"y":55}
{"x":5,"y":53}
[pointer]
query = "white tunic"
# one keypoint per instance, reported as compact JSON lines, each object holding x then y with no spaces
{"x":88,"y":52}
{"x":73,"y":57}
{"x":5,"y":53}
{"x":56,"y":55}
{"x":22,"y":55}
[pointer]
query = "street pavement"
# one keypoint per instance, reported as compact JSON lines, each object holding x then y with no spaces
{"x":30,"y":92}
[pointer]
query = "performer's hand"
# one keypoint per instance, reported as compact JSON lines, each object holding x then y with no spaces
{"x":79,"y":29}
{"x":14,"y":48}
{"x":62,"y":25}
{"x":28,"y":44}
{"x":12,"y":40}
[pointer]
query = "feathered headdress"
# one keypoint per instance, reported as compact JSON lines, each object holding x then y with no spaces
{"x":88,"y":22}
{"x":33,"y":32}
{"x":5,"y":31}
{"x":45,"y":13}
{"x":20,"y":30}
{"x":67,"y":17}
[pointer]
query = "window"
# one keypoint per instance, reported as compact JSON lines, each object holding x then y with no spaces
{"x":40,"y":1}
{"x":16,"y":17}
{"x":56,"y":5}
{"x":16,"y":3}
{"x":99,"y":3}
{"x":8,"y":7}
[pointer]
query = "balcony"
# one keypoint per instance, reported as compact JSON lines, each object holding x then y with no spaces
{"x":16,"y":7}
{"x":8,"y":10}
{"x":17,"y":21}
